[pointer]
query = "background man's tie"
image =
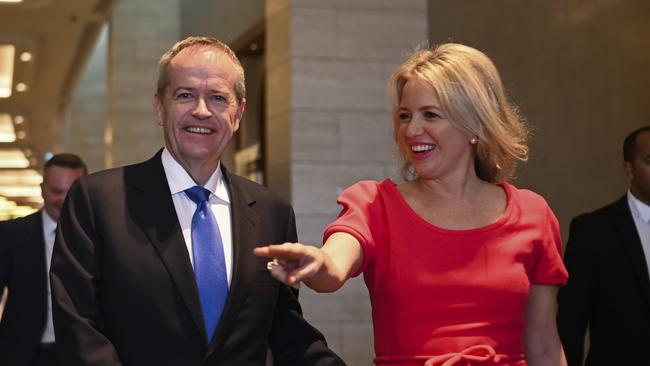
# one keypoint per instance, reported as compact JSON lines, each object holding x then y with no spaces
{"x":209,"y":262}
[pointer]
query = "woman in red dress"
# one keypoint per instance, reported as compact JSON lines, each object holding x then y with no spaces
{"x":462,"y":267}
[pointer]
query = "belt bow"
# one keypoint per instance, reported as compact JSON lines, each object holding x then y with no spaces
{"x":470,"y":355}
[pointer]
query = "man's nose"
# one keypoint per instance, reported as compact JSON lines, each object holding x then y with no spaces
{"x":201,"y":110}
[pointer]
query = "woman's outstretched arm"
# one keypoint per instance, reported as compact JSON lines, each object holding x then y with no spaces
{"x":323,"y":269}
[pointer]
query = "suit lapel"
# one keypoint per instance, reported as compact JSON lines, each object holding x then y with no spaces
{"x":244,"y":221}
{"x":630,"y":238}
{"x":154,"y":209}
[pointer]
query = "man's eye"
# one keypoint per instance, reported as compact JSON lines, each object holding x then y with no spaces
{"x":219,"y":98}
{"x":183,"y":96}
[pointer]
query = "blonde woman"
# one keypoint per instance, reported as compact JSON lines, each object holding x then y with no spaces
{"x":461,"y":266}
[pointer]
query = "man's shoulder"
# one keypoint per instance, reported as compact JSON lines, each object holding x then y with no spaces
{"x":255,"y":191}
{"x":602,"y":215}
{"x":25,"y":221}
{"x":114,"y":178}
{"x":19,"y":227}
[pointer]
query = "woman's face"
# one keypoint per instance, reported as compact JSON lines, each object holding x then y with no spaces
{"x":433,"y":145}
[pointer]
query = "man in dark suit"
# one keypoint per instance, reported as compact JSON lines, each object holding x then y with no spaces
{"x":607,"y":257}
{"x":26,"y":331}
{"x":153,"y":263}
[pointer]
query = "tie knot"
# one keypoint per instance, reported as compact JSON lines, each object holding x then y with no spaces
{"x":197,"y":194}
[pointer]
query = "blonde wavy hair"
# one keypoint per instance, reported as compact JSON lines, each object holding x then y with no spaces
{"x":472,"y":96}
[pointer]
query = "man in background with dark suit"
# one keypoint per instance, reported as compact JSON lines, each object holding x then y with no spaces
{"x":154,"y":264}
{"x":26,"y":331}
{"x":607,"y":257}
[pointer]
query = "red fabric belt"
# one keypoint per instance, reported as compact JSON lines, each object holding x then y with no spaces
{"x":475,"y":355}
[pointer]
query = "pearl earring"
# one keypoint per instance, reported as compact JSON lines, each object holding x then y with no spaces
{"x":473,"y":140}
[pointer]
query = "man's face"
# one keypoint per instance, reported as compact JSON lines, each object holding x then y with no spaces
{"x":199,"y":111}
{"x":56,"y":183}
{"x":639,"y":170}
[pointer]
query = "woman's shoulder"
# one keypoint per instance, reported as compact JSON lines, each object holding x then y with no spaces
{"x":367,"y":189}
{"x":526,"y":199}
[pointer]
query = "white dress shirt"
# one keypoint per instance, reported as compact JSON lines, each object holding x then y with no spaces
{"x":179,"y":180}
{"x":641,"y":215}
{"x":49,"y":228}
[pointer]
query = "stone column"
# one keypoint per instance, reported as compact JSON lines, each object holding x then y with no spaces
{"x":140,"y":31}
{"x":329,"y":126}
{"x":85,"y":118}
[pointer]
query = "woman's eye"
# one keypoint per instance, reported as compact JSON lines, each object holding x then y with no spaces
{"x":404,"y":116}
{"x":431,"y":115}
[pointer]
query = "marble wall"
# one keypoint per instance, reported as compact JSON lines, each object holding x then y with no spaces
{"x":329,"y":126}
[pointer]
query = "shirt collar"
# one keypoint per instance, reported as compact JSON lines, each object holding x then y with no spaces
{"x":49,"y":225}
{"x":179,"y":180}
{"x":641,"y":208}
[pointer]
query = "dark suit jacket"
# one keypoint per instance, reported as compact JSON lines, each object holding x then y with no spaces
{"x":608,"y":290}
{"x":124,"y":289}
{"x":22,"y":270}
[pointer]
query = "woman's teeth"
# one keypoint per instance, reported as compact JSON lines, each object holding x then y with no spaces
{"x":422,"y":148}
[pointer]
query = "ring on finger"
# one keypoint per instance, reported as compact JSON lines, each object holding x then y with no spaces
{"x":271,"y":264}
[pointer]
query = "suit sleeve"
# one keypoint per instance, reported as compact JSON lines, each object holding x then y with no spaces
{"x":576,"y":299}
{"x":293,"y":341}
{"x":75,"y":278}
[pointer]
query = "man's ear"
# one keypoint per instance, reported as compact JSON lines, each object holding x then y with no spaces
{"x":158,"y":106}
{"x":628,"y":169}
{"x":240,"y":113}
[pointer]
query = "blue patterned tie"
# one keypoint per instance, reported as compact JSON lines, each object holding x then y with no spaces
{"x":209,"y":262}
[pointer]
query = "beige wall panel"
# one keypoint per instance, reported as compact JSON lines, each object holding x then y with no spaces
{"x":316,"y":136}
{"x":140,"y":31}
{"x":337,"y":84}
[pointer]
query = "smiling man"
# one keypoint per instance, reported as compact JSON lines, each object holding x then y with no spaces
{"x":153,"y":263}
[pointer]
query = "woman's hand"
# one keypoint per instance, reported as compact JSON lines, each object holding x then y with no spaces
{"x":293,"y":262}
{"x":322,"y":269}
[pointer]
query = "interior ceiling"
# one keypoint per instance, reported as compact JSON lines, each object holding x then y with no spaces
{"x":61,"y":35}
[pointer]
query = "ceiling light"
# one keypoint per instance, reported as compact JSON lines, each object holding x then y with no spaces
{"x":7,"y":133}
{"x":6,"y":69}
{"x":13,"y":158}
{"x":20,"y":177}
{"x":25,"y":56}
{"x":19,"y":119}
{"x":21,"y":87}
{"x":20,"y":191}
{"x":21,"y":135}
{"x":35,"y":200}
